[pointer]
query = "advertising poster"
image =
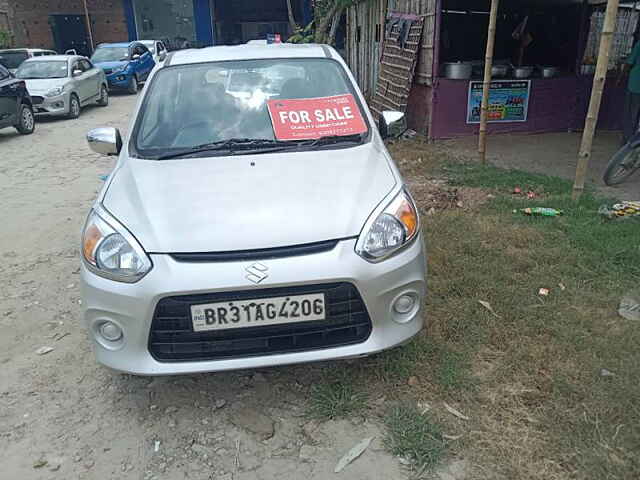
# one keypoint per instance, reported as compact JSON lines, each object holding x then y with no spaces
{"x":309,"y":118}
{"x":508,"y":101}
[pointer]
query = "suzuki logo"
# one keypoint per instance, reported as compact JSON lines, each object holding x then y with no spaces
{"x":256,"y":272}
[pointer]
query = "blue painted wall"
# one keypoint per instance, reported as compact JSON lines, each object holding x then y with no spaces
{"x":129,"y":16}
{"x":203,"y":21}
{"x":307,"y":12}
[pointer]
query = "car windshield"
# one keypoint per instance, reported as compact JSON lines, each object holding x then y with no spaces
{"x":191,"y":106}
{"x":12,"y":59}
{"x":110,"y":54}
{"x":42,"y":69}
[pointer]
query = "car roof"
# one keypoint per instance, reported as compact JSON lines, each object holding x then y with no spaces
{"x":51,"y":58}
{"x":113,"y":45}
{"x":252,"y":52}
{"x":25,"y":50}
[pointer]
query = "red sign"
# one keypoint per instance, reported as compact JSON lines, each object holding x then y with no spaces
{"x":310,"y":118}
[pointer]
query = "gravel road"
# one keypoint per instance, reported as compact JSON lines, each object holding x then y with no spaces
{"x":64,"y":417}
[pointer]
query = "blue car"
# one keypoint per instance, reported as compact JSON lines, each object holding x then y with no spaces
{"x":125,"y":65}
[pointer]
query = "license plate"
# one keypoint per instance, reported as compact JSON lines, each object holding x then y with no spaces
{"x":258,"y":312}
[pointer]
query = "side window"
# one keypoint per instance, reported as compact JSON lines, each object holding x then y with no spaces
{"x":86,"y":65}
{"x":159,"y":47}
{"x":76,"y":66}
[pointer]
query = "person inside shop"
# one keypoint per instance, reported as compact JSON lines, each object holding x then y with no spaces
{"x":632,"y":101}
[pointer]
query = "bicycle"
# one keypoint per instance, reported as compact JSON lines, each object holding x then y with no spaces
{"x":624,"y":162}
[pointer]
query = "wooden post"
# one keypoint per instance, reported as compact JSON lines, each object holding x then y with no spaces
{"x":488,"y":65}
{"x":599,"y":79}
{"x":88,"y":20}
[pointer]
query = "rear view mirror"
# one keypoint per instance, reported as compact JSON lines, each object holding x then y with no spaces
{"x":105,"y":140}
{"x":392,"y":124}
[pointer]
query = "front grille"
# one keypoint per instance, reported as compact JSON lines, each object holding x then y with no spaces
{"x":37,"y":100}
{"x":260,"y":254}
{"x":172,"y":338}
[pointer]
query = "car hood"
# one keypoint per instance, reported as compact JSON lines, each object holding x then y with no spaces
{"x":249,"y":202}
{"x":40,"y":86}
{"x":110,"y":65}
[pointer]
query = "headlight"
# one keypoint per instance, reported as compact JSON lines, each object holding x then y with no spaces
{"x":393,"y":228}
{"x":110,"y":251}
{"x":54,"y":92}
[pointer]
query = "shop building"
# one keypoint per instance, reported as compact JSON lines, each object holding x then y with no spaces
{"x":544,"y":61}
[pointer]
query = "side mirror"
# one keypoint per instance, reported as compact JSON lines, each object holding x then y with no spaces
{"x":135,"y":56}
{"x":392,"y":124}
{"x":162,"y":56}
{"x":77,"y":72}
{"x":105,"y":140}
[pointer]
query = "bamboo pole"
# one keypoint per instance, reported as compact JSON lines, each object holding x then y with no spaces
{"x":88,"y":20}
{"x":488,"y":65}
{"x":599,"y":79}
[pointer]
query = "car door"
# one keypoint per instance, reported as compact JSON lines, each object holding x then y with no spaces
{"x":80,"y":80}
{"x":9,"y":93}
{"x":146,"y":61}
{"x":93,"y":78}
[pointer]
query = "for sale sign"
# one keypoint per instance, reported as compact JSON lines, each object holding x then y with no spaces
{"x":308,"y":118}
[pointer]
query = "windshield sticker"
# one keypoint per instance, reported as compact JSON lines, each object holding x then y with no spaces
{"x":310,"y":118}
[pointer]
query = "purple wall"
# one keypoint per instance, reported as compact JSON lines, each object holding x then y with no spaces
{"x":555,"y":105}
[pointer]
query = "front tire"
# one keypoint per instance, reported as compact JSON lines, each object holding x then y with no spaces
{"x":74,"y":107}
{"x":133,"y":85}
{"x":26,"y":120}
{"x":622,"y":165}
{"x":103,"y":101}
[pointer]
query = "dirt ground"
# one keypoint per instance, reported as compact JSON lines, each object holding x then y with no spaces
{"x":64,"y":417}
{"x":551,"y":154}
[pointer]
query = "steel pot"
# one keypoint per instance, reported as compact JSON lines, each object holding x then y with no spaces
{"x":458,"y":70}
{"x":498,"y":71}
{"x":548,"y":72}
{"x":522,"y":72}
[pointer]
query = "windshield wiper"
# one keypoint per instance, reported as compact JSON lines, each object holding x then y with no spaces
{"x":333,"y":139}
{"x":259,"y":145}
{"x":231,"y":144}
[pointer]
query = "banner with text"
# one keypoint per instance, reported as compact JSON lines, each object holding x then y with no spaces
{"x":508,"y":101}
{"x":309,"y":118}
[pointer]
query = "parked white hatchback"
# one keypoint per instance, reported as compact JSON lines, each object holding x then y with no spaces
{"x":254,"y":218}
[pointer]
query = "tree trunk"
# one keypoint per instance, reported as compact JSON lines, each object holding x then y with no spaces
{"x":323,"y":25}
{"x":334,"y":26}
{"x":599,"y":79}
{"x":488,"y":63}
{"x":292,"y":21}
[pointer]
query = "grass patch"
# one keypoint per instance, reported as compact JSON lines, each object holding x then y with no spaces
{"x":336,"y":397}
{"x":413,"y":436}
{"x":528,"y":376}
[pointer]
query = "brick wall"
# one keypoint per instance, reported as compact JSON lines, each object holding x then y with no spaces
{"x":31,"y":26}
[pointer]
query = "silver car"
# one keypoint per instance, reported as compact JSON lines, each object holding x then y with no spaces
{"x":259,"y":225}
{"x":157,"y":49}
{"x":60,"y":85}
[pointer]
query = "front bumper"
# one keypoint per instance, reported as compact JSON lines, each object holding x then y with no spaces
{"x":51,"y":106}
{"x":132,"y":306}
{"x":118,"y":80}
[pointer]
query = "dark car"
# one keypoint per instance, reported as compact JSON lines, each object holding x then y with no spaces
{"x":16,"y":109}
